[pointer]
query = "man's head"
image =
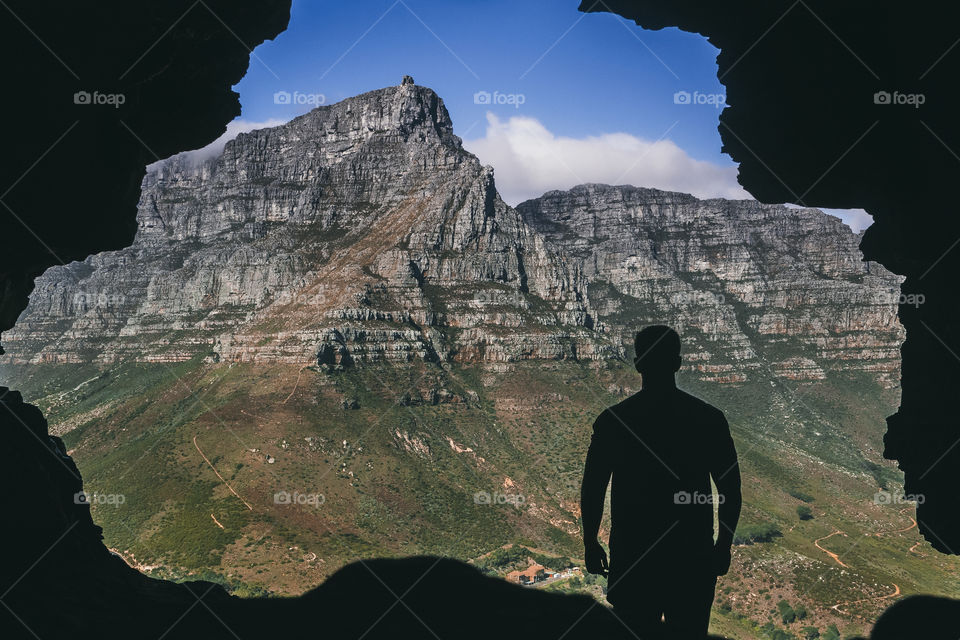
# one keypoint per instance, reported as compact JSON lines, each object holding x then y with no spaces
{"x":657,"y":351}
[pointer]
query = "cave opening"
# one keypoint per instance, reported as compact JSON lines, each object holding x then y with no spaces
{"x":395,"y":394}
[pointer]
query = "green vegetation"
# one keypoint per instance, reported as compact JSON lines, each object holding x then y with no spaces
{"x":515,"y":557}
{"x":753,"y":533}
{"x":804,"y":512}
{"x":408,"y":478}
{"x":772,"y":632}
{"x":787,"y":614}
{"x":831,"y":633}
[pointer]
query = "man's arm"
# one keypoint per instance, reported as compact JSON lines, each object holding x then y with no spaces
{"x":593,"y":492}
{"x":725,"y":471}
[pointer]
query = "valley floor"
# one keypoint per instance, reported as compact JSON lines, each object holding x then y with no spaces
{"x":269,"y":479}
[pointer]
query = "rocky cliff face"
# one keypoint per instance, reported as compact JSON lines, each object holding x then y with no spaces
{"x":363,"y":232}
{"x":757,"y":285}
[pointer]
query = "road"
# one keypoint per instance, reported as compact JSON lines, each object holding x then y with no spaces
{"x":896,"y":587}
{"x":227,"y":484}
{"x":831,"y":553}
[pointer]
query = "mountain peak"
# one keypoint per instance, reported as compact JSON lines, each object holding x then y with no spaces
{"x":404,"y":114}
{"x":398,"y":112}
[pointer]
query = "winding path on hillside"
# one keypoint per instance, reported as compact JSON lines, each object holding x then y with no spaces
{"x":896,"y":592}
{"x":896,"y":587}
{"x":227,"y":484}
{"x":913,"y":523}
{"x":816,"y":543}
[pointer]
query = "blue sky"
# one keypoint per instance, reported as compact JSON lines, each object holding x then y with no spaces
{"x":597,"y":78}
{"x":581,"y":97}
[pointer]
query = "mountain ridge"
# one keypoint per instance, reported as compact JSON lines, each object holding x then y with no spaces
{"x":372,"y":213}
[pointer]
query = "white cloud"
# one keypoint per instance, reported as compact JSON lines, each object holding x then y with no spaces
{"x":530,"y":160}
{"x":235,"y":128}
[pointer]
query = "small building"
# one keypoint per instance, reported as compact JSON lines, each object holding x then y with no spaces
{"x":531,"y":575}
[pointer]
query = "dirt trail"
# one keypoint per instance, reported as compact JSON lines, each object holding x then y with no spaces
{"x":816,"y":543}
{"x":896,"y":587}
{"x":896,"y":592}
{"x":218,"y":522}
{"x":227,"y":484}
{"x":913,"y":523}
{"x":299,"y":373}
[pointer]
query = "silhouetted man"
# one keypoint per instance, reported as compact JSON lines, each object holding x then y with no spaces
{"x":662,"y":446}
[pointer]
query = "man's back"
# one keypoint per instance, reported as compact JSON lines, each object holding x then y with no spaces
{"x":661,"y":447}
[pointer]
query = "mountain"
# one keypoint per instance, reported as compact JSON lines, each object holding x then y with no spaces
{"x":335,"y":340}
{"x":369,"y":213}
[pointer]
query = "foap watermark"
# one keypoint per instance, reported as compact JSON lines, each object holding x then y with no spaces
{"x":115,"y":100}
{"x":317,"y":297}
{"x":297,"y":97}
{"x":297,"y":498}
{"x":496,"y":296}
{"x":699,"y":298}
{"x":98,"y":299}
{"x":897,"y":98}
{"x":496,"y":98}
{"x":114,"y":499}
{"x":685,"y":497}
{"x":485,"y":497}
{"x":715,"y":100}
{"x":887,"y":497}
{"x":897,"y":297}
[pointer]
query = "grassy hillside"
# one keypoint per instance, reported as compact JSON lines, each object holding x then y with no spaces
{"x":269,"y":478}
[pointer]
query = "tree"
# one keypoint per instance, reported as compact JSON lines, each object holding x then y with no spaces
{"x":810,"y":633}
{"x":832,"y":633}
{"x":787,"y":614}
{"x":751,"y":533}
{"x":804,"y":512}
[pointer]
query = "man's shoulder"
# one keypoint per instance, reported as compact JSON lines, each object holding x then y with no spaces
{"x":634,"y":408}
{"x":625,"y":407}
{"x":699,"y":404}
{"x":681,"y":397}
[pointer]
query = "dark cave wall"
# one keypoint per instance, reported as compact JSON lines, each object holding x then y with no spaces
{"x":72,"y":170}
{"x":803,"y":126}
{"x":803,"y":123}
{"x":69,"y":187}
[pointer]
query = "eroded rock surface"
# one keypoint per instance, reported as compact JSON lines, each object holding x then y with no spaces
{"x":363,"y":231}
